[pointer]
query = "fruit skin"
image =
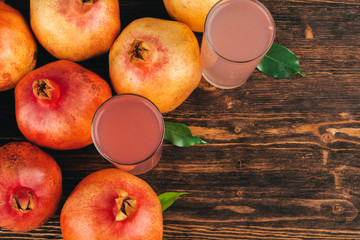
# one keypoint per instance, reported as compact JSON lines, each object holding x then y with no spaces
{"x":192,"y":13}
{"x":89,"y":212}
{"x":18,"y":48}
{"x":171,"y":68}
{"x":73,"y":30}
{"x":24,"y":166}
{"x":63,"y":120}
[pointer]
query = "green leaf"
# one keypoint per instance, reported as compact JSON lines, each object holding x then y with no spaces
{"x":168,"y":198}
{"x":280,"y":62}
{"x":180,"y":135}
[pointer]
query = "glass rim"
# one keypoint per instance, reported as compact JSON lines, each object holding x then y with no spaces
{"x":235,"y":61}
{"x":162,"y":125}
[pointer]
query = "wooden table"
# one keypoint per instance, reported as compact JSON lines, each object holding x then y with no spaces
{"x":283,"y":159}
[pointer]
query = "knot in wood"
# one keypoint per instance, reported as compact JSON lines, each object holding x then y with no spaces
{"x":327,"y":138}
{"x":237,"y":129}
{"x":337,"y":209}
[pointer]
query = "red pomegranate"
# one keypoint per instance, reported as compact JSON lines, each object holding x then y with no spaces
{"x":55,"y":104}
{"x":30,"y":186}
{"x":112,"y":204}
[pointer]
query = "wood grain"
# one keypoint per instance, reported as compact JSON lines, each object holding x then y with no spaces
{"x":283,"y":159}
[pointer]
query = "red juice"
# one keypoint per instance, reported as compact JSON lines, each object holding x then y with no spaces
{"x":128,"y":130}
{"x":237,"y":35}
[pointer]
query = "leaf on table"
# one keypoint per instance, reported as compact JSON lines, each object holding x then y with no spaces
{"x":180,"y":135}
{"x":280,"y":62}
{"x":168,"y":198}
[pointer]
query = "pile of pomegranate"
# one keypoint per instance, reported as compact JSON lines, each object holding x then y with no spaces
{"x":55,"y":104}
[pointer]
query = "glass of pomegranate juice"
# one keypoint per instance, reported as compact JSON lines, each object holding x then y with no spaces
{"x":128,"y":130}
{"x":237,"y":35}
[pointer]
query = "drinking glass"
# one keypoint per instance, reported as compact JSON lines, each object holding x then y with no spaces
{"x":237,"y":35}
{"x":128,"y":130}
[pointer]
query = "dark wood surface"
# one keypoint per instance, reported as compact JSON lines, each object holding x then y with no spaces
{"x":283,"y":159}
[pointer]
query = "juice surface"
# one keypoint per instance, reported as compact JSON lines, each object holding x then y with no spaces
{"x":127,"y":129}
{"x":239,"y":30}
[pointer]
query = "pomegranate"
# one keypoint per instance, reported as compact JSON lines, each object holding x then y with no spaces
{"x":55,"y":104}
{"x":75,"y":29}
{"x":17,"y":47}
{"x":30,"y":186}
{"x":158,"y":59}
{"x":192,"y":13}
{"x":112,"y":204}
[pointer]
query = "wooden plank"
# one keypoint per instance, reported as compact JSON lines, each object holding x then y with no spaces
{"x":283,"y":155}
